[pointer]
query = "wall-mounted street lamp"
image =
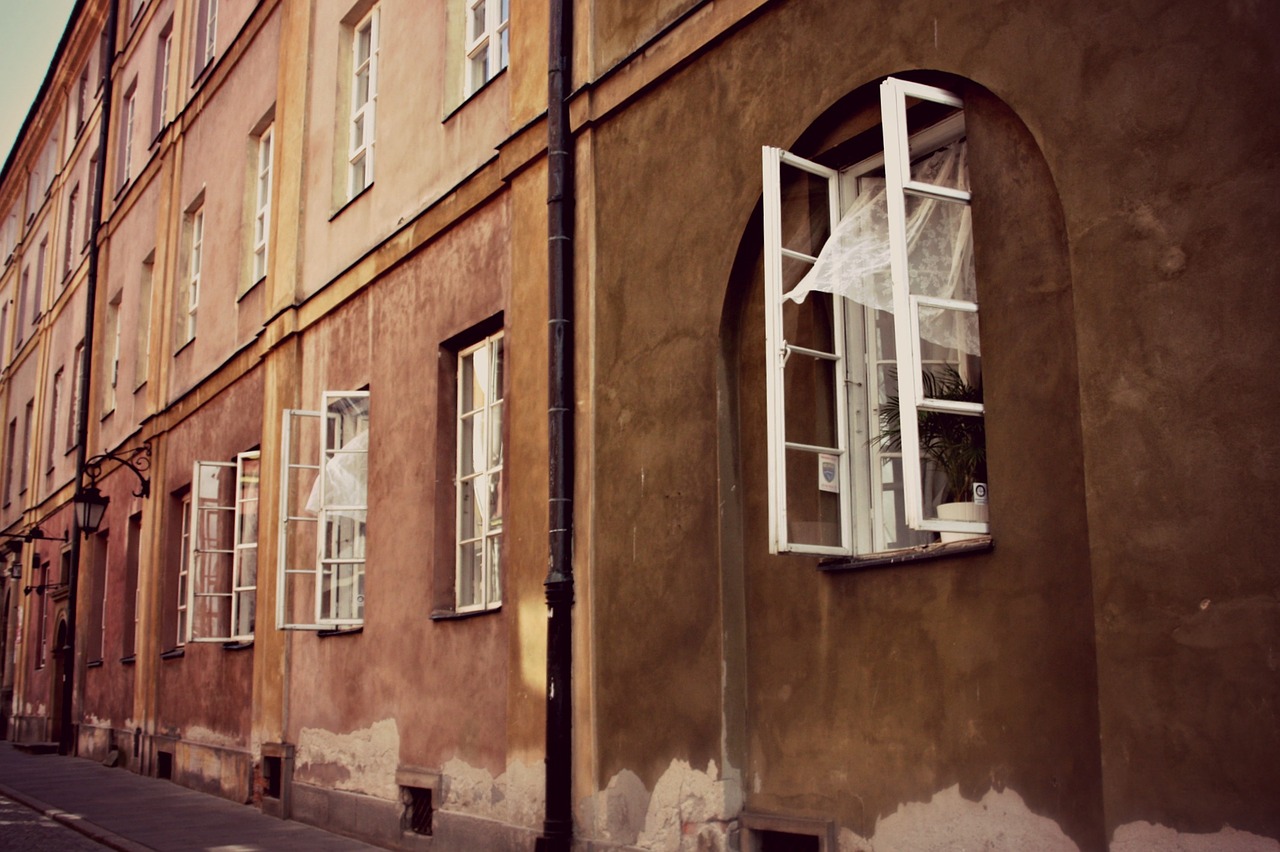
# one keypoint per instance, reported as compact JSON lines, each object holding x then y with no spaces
{"x":13,"y":547}
{"x":91,"y":504}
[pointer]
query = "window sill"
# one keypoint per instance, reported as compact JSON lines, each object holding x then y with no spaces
{"x":186,"y":344}
{"x":93,"y":664}
{"x":468,"y":98}
{"x":340,"y":631}
{"x":243,"y":294}
{"x":129,"y":660}
{"x":454,"y":615}
{"x":925,"y":553}
{"x":237,"y":645}
{"x":352,"y":200}
{"x":174,"y":654}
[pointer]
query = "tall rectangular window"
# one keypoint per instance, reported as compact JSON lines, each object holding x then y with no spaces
{"x":160,"y":96}
{"x":324,"y":475}
{"x":195,"y":261}
{"x":364,"y":96}
{"x":184,"y":566}
{"x":82,"y":99}
{"x":24,"y":464}
{"x":262,"y":205}
{"x":128,"y":114}
{"x":142,"y":339}
{"x":222,"y":583}
{"x":68,"y":252}
{"x":37,"y":296}
{"x":111,"y":354}
{"x":479,"y":475}
{"x":55,"y":415}
{"x":97,"y":615}
{"x":10,"y":451}
{"x":73,"y":410}
{"x":44,"y":618}
{"x":133,"y":547}
{"x":488,"y":40}
{"x":206,"y":36}
{"x":94,"y":165}
{"x":19,"y":323}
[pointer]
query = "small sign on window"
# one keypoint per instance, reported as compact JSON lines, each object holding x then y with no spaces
{"x":828,"y":473}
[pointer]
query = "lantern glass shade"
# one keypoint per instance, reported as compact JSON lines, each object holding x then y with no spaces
{"x":91,"y":505}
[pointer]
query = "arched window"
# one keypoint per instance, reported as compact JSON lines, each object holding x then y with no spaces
{"x":876,"y":420}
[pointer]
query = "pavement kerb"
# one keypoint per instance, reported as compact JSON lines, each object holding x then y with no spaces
{"x":75,"y":822}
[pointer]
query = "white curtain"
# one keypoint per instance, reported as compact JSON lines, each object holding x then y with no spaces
{"x":347,"y":478}
{"x":854,"y":262}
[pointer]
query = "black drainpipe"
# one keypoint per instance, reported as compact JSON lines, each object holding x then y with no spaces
{"x":66,"y":740}
{"x":557,"y":831}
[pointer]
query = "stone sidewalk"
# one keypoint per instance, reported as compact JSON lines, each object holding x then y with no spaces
{"x":134,"y":813}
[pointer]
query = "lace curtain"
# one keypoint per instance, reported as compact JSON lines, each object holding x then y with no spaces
{"x":854,"y":262}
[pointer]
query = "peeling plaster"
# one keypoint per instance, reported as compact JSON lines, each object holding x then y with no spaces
{"x":362,"y":761}
{"x":617,"y":813}
{"x":691,"y":811}
{"x":196,"y":735}
{"x":515,"y":797}
{"x":1144,"y":837}
{"x":950,"y":823}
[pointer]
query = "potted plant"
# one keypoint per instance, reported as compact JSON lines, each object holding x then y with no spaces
{"x":954,"y":444}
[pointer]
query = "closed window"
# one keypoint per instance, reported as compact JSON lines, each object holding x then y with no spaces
{"x":488,"y":41}
{"x":364,"y":96}
{"x":479,"y":475}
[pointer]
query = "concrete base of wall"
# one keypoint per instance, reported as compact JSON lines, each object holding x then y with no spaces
{"x":380,"y":821}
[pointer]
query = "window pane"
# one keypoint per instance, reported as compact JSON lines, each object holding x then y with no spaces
{"x":471,"y":519}
{"x":470,"y":572}
{"x":495,"y":436}
{"x":245,"y":613}
{"x":810,"y":324}
{"x":813,"y":515}
{"x":810,"y":395}
{"x":344,"y":533}
{"x":495,"y":500}
{"x":478,"y":19}
{"x":805,"y":213}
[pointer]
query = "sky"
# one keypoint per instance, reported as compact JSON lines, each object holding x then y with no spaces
{"x":28,"y":38}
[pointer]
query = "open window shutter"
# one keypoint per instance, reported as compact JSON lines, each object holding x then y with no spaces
{"x":245,"y":563}
{"x":209,"y":583}
{"x":343,"y":504}
{"x":810,"y":486}
{"x":296,"y":563}
{"x":907,"y":302}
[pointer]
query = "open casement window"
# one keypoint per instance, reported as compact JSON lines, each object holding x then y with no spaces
{"x":479,"y":476}
{"x":868,"y":277}
{"x":223,"y":541}
{"x":323,"y":512}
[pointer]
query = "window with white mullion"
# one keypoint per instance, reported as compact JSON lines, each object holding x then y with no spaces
{"x":184,"y":568}
{"x":244,"y":586}
{"x":364,"y":95}
{"x":479,"y":476}
{"x":262,"y":215}
{"x":488,"y":41}
{"x":209,"y":584}
{"x":195,"y":266}
{"x":922,"y":393}
{"x":296,"y":541}
{"x":810,"y":508}
{"x":343,"y":504}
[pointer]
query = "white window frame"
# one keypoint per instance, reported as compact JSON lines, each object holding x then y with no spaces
{"x":195,"y":264}
{"x":163,"y":58}
{"x":206,"y":35}
{"x":262,"y":207}
{"x":218,"y":551}
{"x":361,"y":125}
{"x":483,"y":421}
{"x":487,"y":41}
{"x":184,"y":568}
{"x":299,"y":478}
{"x":857,"y":530}
{"x":73,"y":199}
{"x":128,"y":114}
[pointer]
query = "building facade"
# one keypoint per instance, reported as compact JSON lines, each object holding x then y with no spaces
{"x":276,"y":283}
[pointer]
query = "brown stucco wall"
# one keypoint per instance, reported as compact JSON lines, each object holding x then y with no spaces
{"x":1126,"y":602}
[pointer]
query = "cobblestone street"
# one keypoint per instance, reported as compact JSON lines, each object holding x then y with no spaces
{"x":23,"y":829}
